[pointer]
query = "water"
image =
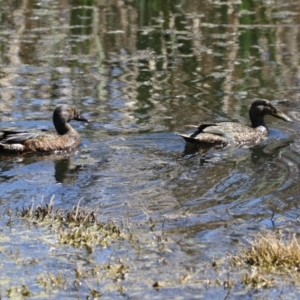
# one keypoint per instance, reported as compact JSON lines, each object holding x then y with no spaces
{"x":142,"y":70}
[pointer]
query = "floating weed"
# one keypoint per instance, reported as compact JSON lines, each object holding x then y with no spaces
{"x":57,"y":280}
{"x":116,"y":271}
{"x":105,"y":271}
{"x":17,"y":292}
{"x":50,"y":281}
{"x":257,"y":280}
{"x":89,"y":235}
{"x":42,"y":281}
{"x":94,"y":293}
{"x":157,"y":285}
{"x":78,"y":227}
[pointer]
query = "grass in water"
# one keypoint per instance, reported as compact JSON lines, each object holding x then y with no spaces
{"x":79,"y":227}
{"x":270,"y":254}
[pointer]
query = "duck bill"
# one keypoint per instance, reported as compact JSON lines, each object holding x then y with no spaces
{"x":280,"y":115}
{"x":82,"y":119}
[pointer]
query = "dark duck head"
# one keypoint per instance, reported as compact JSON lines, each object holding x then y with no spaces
{"x":260,"y":108}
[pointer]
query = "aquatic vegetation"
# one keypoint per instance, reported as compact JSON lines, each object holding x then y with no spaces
{"x":92,"y":258}
{"x":257,"y":280}
{"x":270,"y":254}
{"x":78,"y":227}
{"x":77,"y":231}
{"x":16,"y":292}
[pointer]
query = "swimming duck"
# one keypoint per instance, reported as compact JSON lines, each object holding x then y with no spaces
{"x":64,"y":139}
{"x":225,"y":133}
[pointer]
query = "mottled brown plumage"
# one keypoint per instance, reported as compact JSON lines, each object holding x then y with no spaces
{"x":64,"y":139}
{"x":225,"y":133}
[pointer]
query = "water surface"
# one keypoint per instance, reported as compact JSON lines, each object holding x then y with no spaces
{"x":142,"y":70}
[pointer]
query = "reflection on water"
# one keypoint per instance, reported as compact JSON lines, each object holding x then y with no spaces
{"x":63,"y":172}
{"x":142,"y":70}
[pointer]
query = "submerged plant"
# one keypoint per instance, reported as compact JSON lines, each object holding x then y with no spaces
{"x":78,"y":227}
{"x":257,"y":280}
{"x":89,"y":235}
{"x":18,"y":292}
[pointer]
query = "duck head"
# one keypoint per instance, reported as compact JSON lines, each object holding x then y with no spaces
{"x":62,"y":115}
{"x":261,"y":108}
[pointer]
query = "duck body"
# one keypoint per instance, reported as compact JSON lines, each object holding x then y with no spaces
{"x":225,"y":133}
{"x":65,"y":138}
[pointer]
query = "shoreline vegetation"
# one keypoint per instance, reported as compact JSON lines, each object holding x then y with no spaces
{"x":99,"y":258}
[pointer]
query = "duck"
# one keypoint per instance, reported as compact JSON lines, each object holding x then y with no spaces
{"x":225,"y":133}
{"x":66,"y":138}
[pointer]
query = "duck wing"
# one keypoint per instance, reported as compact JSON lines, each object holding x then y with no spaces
{"x":238,"y":133}
{"x":11,"y":136}
{"x":223,"y":134}
{"x":206,"y":133}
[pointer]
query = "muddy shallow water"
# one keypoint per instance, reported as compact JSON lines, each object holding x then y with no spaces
{"x":141,"y":71}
